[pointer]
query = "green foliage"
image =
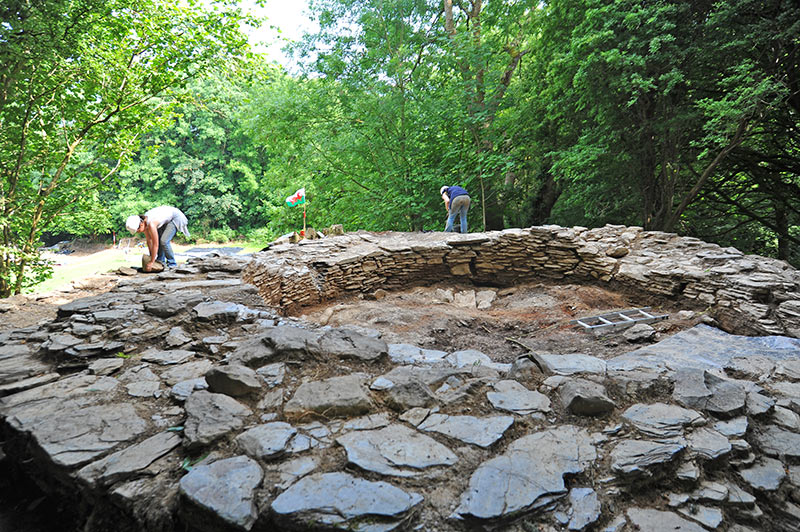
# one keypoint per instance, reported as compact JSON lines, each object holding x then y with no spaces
{"x":204,"y":161}
{"x":78,"y":88}
{"x":221,"y":235}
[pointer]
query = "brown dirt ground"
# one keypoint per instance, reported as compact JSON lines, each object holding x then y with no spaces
{"x":27,"y":310}
{"x":529,"y":317}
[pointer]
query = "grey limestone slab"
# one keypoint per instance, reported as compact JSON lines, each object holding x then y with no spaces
{"x":395,"y":450}
{"x":225,"y":490}
{"x":528,"y":475}
{"x":482,"y":432}
{"x":514,"y":397}
{"x":342,"y":501}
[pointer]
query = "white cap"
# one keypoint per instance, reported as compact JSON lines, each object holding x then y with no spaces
{"x":443,"y":189}
{"x":132,"y":223}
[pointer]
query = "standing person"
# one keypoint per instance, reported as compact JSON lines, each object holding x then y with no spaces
{"x":159,"y":226}
{"x":456,"y":201}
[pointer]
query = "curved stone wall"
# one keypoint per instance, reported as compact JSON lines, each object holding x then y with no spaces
{"x":746,"y":294}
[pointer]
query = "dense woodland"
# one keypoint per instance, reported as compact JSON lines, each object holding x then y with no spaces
{"x":675,"y":116}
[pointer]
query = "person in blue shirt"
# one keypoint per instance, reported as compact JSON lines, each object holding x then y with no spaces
{"x":456,"y":201}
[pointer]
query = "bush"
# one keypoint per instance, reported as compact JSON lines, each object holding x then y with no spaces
{"x":222,"y":236}
{"x":261,"y":236}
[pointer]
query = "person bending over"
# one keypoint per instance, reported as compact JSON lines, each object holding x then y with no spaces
{"x":456,"y":201}
{"x":159,"y":226}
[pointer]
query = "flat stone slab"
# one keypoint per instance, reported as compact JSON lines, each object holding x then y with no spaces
{"x":234,"y":380}
{"x":348,"y":344}
{"x":529,"y":475}
{"x":167,"y":358}
{"x":585,"y":508}
{"x":482,"y":432}
{"x":474,"y":358}
{"x":210,"y":416}
{"x":62,"y":389}
{"x":700,"y":389}
{"x":73,"y":434}
{"x":224,"y":491}
{"x":266,"y":441}
{"x":706,"y":515}
{"x":18,"y":363}
{"x":775,"y":441}
{"x":219,"y":311}
{"x":172,"y":304}
{"x":661,"y":420}
{"x":585,"y":398}
{"x":127,"y":462}
{"x":291,"y":341}
{"x":144,"y":389}
{"x":27,"y":384}
{"x":570,"y":364}
{"x":106,"y":366}
{"x":640,"y":458}
{"x":708,"y":444}
{"x":411,"y":354}
{"x":341,"y":501}
{"x":658,"y":521}
{"x":272,"y":374}
{"x":183,"y":389}
{"x":185,"y":372}
{"x":766,"y":475}
{"x":337,"y":396}
{"x":733,"y":428}
{"x":395,"y":450}
{"x":290,"y":471}
{"x":514,"y":397}
{"x":705,"y":347}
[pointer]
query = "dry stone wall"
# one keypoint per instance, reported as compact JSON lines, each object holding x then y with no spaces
{"x":746,"y":294}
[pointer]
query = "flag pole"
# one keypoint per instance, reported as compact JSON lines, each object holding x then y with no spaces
{"x":304,"y":218}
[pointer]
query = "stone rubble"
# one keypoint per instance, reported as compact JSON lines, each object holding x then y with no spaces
{"x":186,"y":400}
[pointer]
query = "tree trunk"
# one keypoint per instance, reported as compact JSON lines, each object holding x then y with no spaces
{"x":545,"y":199}
{"x":782,"y":228}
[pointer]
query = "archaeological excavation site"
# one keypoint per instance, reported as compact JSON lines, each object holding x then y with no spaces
{"x":541,"y":379}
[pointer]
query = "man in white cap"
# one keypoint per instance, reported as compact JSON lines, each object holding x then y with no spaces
{"x":456,"y":201}
{"x":159,"y":226}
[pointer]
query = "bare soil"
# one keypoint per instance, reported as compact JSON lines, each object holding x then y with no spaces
{"x":529,"y":317}
{"x":23,"y":310}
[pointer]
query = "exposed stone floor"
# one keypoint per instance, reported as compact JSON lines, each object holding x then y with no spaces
{"x":181,"y":401}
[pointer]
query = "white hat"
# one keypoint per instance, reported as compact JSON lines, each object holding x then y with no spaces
{"x":132,"y":223}
{"x":443,"y":189}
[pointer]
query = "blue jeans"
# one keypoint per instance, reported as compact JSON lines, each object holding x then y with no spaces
{"x":165,"y":235}
{"x":458,"y":207}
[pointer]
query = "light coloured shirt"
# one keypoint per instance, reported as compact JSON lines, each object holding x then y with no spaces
{"x":165,"y":214}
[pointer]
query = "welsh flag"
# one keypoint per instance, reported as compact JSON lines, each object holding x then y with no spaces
{"x":298,"y":198}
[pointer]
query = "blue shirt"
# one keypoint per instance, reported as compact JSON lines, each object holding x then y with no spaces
{"x":455,"y":191}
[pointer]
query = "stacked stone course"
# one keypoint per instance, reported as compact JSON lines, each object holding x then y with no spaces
{"x":745,"y":294}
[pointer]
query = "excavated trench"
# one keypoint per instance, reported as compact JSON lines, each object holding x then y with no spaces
{"x":530,"y":317}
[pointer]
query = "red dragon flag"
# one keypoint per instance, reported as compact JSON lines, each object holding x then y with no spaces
{"x":298,"y":198}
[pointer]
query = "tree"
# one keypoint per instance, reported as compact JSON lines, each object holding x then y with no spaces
{"x":485,"y":58}
{"x":361,"y":132}
{"x":75,"y":90}
{"x":203,"y":161}
{"x":660,"y":94}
